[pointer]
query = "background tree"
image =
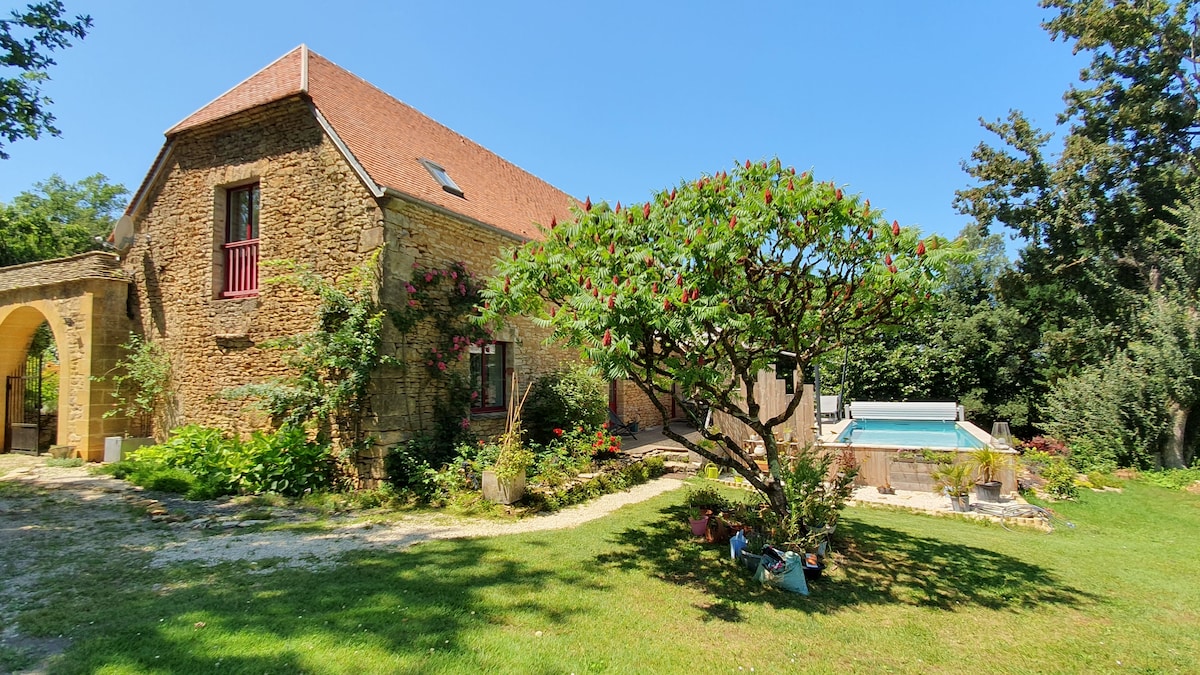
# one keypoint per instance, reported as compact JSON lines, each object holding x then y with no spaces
{"x":704,"y":285}
{"x":1097,"y":216}
{"x":57,"y":218}
{"x":27,"y":39}
{"x":967,"y":348}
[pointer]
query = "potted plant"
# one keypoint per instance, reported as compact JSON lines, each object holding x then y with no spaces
{"x":504,"y":483}
{"x":988,"y":462}
{"x":955,"y":481}
{"x":698,"y":520}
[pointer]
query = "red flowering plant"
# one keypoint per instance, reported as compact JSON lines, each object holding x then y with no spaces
{"x":692,"y":294}
{"x":605,"y":445}
{"x":571,"y":452}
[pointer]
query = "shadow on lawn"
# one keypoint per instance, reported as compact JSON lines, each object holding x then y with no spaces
{"x":878,"y":565}
{"x":413,"y":610}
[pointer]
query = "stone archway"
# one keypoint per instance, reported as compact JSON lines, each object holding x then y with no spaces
{"x":84,"y":300}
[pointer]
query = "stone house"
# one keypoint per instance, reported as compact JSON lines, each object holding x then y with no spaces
{"x":304,"y":161}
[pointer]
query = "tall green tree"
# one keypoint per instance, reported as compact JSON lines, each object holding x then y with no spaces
{"x":968,"y":348}
{"x":707,"y":283}
{"x":1136,"y":407}
{"x":57,"y":218}
{"x":27,"y":40}
{"x":1091,"y":212}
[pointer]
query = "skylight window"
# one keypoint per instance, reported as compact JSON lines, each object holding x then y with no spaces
{"x":439,"y":174}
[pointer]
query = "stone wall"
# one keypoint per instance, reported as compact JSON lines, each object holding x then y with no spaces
{"x":91,"y":265}
{"x":420,"y":235}
{"x":87,"y":316}
{"x":633,"y":404}
{"x":314,"y":210}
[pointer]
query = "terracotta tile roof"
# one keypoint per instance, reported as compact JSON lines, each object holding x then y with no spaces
{"x":277,"y":81}
{"x":388,"y":138}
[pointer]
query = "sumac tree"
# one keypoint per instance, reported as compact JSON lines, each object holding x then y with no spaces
{"x":694,"y":292}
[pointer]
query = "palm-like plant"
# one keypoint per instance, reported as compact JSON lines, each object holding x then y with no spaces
{"x":954,"y":479}
{"x":988,"y":462}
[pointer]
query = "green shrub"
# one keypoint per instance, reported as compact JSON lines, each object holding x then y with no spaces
{"x":284,"y":461}
{"x":64,"y":462}
{"x":815,"y":499}
{"x":1100,"y":480}
{"x":141,"y":384}
{"x":655,"y":466}
{"x":120,"y":470}
{"x":705,"y":498}
{"x":1060,"y":479}
{"x":612,"y":478}
{"x":1110,"y":414}
{"x":1174,"y":479}
{"x":564,"y":400}
{"x":163,"y":479}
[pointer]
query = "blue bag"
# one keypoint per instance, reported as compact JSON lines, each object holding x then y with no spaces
{"x":736,"y":544}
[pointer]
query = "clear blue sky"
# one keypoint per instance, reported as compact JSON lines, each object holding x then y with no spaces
{"x":608,"y":99}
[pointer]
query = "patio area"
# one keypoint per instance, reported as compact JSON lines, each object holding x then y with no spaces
{"x":651,"y":438}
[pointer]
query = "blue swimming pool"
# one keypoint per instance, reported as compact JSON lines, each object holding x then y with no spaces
{"x":908,"y":433}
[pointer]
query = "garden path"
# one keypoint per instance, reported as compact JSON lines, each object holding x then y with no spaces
{"x":219,"y":531}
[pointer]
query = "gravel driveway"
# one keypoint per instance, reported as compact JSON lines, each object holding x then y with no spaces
{"x":215,"y":532}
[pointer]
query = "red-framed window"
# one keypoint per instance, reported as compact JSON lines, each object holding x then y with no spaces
{"x":241,"y":241}
{"x":489,"y":380}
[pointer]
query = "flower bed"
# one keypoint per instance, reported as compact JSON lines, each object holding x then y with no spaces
{"x":613,"y":476}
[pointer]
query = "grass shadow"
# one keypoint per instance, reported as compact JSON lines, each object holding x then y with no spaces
{"x":877,"y":566}
{"x":414,"y":609}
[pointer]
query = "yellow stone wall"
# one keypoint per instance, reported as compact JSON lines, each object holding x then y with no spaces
{"x":314,"y":211}
{"x":424,"y":236}
{"x":83,"y":299}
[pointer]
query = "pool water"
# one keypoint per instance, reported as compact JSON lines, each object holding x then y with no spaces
{"x":908,"y":433}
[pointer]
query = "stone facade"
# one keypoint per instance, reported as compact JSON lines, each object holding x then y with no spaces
{"x":404,"y":400}
{"x":632,"y":404}
{"x":315,"y":211}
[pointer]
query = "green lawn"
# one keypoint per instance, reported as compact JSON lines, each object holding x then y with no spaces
{"x":632,"y":593}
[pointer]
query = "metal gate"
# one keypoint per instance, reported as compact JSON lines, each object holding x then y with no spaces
{"x":23,"y":400}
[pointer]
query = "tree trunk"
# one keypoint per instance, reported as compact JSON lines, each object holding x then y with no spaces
{"x":1173,"y":453}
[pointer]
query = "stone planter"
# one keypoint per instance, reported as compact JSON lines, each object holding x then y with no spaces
{"x":960,"y":503}
{"x":503,"y":492}
{"x":116,"y":448}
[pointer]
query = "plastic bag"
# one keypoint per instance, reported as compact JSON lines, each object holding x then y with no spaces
{"x":736,"y":544}
{"x":782,"y":569}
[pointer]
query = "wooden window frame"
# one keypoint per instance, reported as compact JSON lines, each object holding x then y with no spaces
{"x":478,"y":405}
{"x":241,"y":255}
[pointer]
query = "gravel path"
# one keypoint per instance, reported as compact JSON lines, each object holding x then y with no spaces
{"x":301,"y":549}
{"x":184,"y":542}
